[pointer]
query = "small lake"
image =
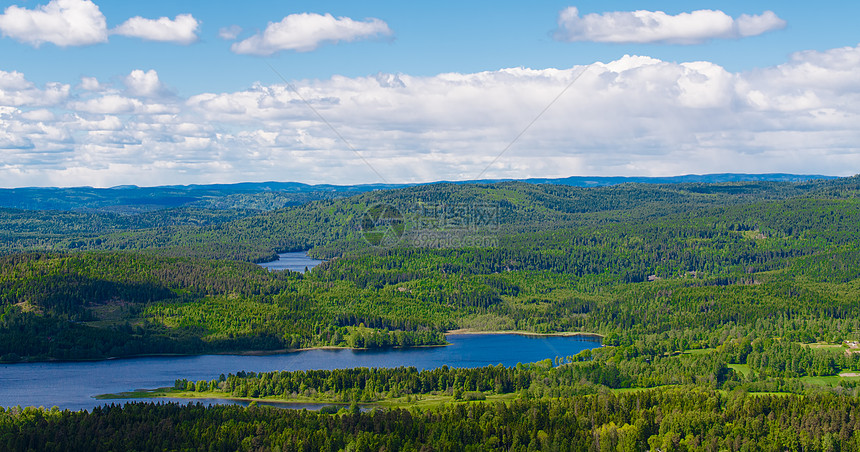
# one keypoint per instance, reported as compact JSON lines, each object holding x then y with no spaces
{"x":72,"y":385}
{"x":295,"y":261}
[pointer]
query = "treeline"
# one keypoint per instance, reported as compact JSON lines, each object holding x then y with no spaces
{"x":66,"y":283}
{"x":674,"y":282}
{"x":98,"y":305}
{"x":777,"y":368}
{"x":774,"y":366}
{"x":686,"y":418}
{"x":228,"y":228}
{"x":27,"y":336}
{"x":26,"y":230}
{"x":709,"y":243}
{"x":219,"y":302}
{"x":371,"y":384}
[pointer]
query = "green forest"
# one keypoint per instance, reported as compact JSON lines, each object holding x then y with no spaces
{"x":729,"y":315}
{"x":665,"y":419}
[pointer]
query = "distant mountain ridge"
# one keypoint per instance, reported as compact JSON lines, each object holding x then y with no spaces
{"x":133,"y":199}
{"x":585,"y":181}
{"x":574,"y":181}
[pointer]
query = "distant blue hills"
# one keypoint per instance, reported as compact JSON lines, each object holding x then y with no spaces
{"x":602,"y":181}
{"x":574,"y":181}
{"x":133,"y":198}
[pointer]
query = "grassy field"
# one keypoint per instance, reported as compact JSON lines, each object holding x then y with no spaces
{"x":701,"y":351}
{"x":629,"y":390}
{"x":743,"y":369}
{"x":827,"y":346}
{"x":827,"y":381}
{"x":421,"y":400}
{"x":436,"y":400}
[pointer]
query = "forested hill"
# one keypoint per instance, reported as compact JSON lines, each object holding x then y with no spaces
{"x":227,"y":228}
{"x":273,"y":195}
{"x":665,"y":267}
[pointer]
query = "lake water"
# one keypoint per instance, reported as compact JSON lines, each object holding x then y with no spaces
{"x":295,"y":261}
{"x":72,"y":385}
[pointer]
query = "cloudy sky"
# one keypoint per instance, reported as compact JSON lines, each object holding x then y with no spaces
{"x":111,"y":92}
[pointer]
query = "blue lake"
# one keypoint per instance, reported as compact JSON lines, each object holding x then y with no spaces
{"x":295,"y":261}
{"x":72,"y":385}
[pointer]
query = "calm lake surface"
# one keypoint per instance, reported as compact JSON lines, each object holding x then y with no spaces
{"x":72,"y":385}
{"x":296,"y":261}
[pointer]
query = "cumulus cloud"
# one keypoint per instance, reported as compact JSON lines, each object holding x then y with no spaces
{"x":656,"y":26}
{"x":81,"y":22}
{"x":307,"y":31}
{"x":90,"y":83}
{"x":107,"y":104}
{"x":16,"y":91}
{"x":60,"y":22}
{"x":38,"y":115}
{"x":747,"y":25}
{"x":144,"y":84}
{"x":229,"y":33}
{"x":180,"y":30}
{"x":633,"y":116}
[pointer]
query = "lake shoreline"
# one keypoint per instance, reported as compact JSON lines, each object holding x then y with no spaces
{"x":461,"y":331}
{"x":36,"y":384}
{"x":286,"y":351}
{"x":172,"y":395}
{"x":300,"y":262}
{"x":281,"y":351}
{"x":159,"y":395}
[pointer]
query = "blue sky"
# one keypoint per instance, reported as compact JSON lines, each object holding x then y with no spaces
{"x":422,"y":91}
{"x":429,"y":38}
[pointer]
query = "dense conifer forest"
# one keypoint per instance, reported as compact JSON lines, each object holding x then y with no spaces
{"x":670,"y":419}
{"x":730,"y":315}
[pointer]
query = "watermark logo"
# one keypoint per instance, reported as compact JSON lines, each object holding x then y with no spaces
{"x":456,"y":225}
{"x":382,"y":225}
{"x":433,"y":225}
{"x":457,"y":217}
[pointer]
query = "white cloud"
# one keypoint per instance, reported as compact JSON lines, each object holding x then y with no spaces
{"x":90,"y":84}
{"x":13,"y":81}
{"x":656,"y":26}
{"x":60,"y":22}
{"x":144,"y":84}
{"x":229,"y":33}
{"x":38,"y":115}
{"x":181,"y":30}
{"x":307,"y":31}
{"x":107,"y":104}
{"x":633,"y":116}
{"x":747,"y":25}
{"x":15,"y":90}
{"x":104,"y":122}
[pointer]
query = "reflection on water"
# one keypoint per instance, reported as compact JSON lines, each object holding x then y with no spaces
{"x":297,"y":261}
{"x":210,"y":402}
{"x":73,"y":384}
